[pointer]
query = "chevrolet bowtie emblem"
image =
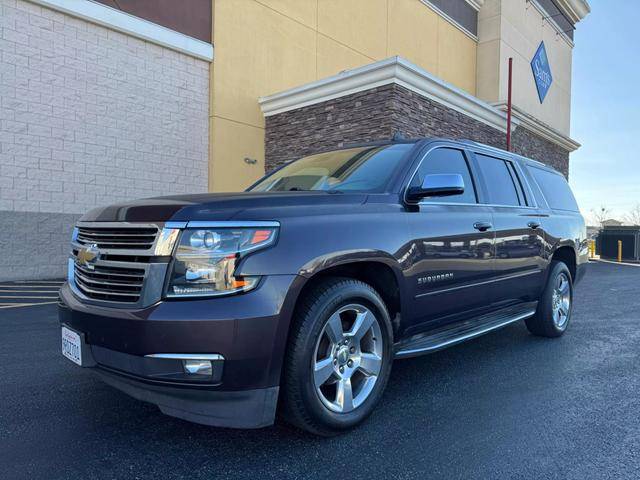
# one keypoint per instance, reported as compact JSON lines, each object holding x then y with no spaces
{"x":88,"y":255}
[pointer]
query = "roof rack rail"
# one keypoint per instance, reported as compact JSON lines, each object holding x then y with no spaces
{"x":489,"y":147}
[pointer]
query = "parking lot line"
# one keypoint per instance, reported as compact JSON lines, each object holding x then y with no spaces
{"x":30,"y":285}
{"x":23,"y":296}
{"x":38,"y":281}
{"x":15,"y":305}
{"x":2,"y":290}
{"x":29,"y":293}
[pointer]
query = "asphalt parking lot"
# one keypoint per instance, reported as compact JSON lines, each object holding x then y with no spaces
{"x":507,"y":405}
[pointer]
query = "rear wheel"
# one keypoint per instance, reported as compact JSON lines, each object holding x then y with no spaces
{"x":556,"y":303}
{"x":339,"y":357}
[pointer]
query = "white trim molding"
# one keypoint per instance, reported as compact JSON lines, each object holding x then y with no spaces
{"x":137,"y":27}
{"x":575,"y":9}
{"x":450,"y":20}
{"x":476,"y":4}
{"x":393,"y":70}
{"x":539,"y":128}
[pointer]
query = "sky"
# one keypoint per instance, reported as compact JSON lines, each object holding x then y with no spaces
{"x":605,"y":116}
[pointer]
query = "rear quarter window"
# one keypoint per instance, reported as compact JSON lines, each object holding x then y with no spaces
{"x":555,"y":189}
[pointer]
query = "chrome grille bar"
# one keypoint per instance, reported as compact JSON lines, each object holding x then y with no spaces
{"x":98,"y":283}
{"x":115,"y":238}
{"x":127,"y":265}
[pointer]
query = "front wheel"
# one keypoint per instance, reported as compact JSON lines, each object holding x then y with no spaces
{"x":556,"y":303}
{"x":339,"y":357}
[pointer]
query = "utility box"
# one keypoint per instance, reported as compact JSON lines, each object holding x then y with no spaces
{"x":607,"y":243}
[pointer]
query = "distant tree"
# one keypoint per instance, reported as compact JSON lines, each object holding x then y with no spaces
{"x":599,"y":215}
{"x":633,"y":217}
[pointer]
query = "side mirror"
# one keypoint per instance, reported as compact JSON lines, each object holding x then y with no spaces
{"x":437,"y":185}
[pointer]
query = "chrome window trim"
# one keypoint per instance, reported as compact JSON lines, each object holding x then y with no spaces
{"x":463,"y":149}
{"x":526,"y":186}
{"x":232,"y":224}
{"x":509,"y":157}
{"x":519,"y":207}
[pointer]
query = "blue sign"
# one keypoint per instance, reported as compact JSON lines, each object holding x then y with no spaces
{"x":541,"y":72}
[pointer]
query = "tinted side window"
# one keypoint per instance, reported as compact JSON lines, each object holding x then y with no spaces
{"x":555,"y":189}
{"x":447,"y":160}
{"x":499,"y":180}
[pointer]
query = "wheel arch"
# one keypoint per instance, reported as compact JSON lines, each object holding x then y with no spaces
{"x":567,"y":254}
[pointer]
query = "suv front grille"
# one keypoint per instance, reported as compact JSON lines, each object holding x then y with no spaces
{"x":118,"y":238}
{"x":120,"y":264}
{"x":114,"y":284}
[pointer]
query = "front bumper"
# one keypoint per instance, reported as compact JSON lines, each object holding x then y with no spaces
{"x":248,"y":331}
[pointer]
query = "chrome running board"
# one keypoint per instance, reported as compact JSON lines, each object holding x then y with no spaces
{"x":449,"y":335}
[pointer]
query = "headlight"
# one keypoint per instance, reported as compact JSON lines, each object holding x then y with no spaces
{"x":206,"y":259}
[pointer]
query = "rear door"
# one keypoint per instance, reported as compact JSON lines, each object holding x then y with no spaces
{"x":451,"y":259}
{"x":517,"y":222}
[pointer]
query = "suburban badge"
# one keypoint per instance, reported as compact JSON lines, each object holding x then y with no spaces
{"x":435,"y":278}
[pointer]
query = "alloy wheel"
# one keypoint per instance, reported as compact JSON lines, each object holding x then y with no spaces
{"x":348,"y":358}
{"x":561,"y":300}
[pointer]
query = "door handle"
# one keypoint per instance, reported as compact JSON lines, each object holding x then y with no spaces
{"x":533,"y":225}
{"x":482,"y":226}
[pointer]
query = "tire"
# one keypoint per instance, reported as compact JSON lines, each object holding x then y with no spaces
{"x":548,"y":321}
{"x":317,"y":350}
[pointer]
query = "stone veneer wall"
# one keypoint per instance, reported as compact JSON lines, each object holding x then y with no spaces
{"x":379,"y":113}
{"x":89,"y":117}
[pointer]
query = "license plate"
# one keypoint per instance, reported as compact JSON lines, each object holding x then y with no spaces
{"x":71,"y":346}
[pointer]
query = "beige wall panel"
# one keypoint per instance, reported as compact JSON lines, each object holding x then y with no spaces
{"x":456,"y":57}
{"x":489,"y":29}
{"x":490,"y":8}
{"x":334,"y":57}
{"x":303,"y":11}
{"x":231,"y":143}
{"x":359,"y":24}
{"x":531,"y":28}
{"x":560,"y":56}
{"x":258,"y":51}
{"x":488,"y":72}
{"x":521,"y":30}
{"x":413,"y":33}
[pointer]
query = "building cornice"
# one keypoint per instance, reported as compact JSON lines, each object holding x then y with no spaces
{"x":540,"y":128}
{"x":575,"y":9}
{"x":131,"y":25}
{"x":476,"y":4}
{"x":393,"y":70}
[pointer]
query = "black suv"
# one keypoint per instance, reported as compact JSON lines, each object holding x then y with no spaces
{"x":299,"y":293}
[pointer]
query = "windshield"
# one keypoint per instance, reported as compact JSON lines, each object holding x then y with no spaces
{"x":363,"y":169}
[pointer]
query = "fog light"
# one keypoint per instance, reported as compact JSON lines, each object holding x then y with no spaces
{"x":198,"y":367}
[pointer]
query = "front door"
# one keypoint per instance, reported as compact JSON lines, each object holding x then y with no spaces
{"x":452,"y":245}
{"x":519,"y":255}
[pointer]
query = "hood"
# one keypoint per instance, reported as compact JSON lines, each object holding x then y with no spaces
{"x":226,"y":206}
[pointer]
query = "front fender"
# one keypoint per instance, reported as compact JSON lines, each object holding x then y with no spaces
{"x":334,"y":259}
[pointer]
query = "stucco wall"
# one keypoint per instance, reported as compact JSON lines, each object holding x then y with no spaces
{"x":380,"y":112}
{"x":508,"y":28}
{"x":91,"y":117}
{"x":268,"y":46}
